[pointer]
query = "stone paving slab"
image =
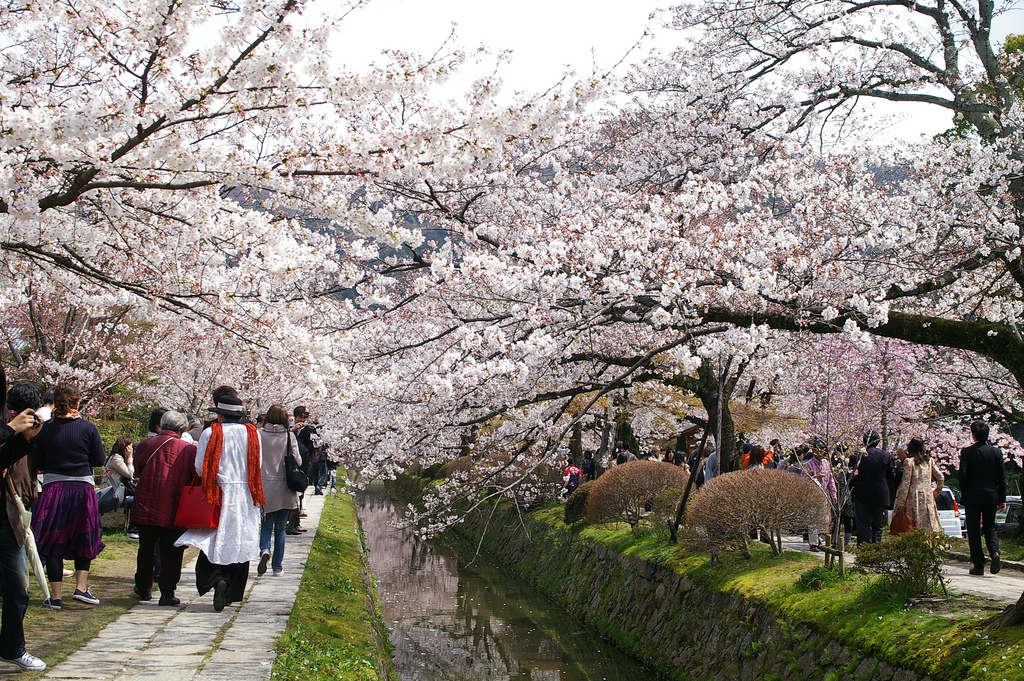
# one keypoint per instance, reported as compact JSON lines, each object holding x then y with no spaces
{"x":178,"y":644}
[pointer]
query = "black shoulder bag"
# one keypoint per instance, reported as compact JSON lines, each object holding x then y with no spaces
{"x":293,"y":475}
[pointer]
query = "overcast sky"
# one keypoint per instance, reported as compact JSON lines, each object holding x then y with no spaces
{"x":547,"y":36}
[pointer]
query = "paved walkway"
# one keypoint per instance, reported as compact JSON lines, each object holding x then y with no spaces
{"x":1006,"y":587}
{"x":192,"y":641}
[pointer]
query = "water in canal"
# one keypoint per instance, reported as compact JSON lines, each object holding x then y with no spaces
{"x":451,"y":618}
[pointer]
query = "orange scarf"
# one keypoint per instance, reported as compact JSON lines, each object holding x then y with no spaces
{"x":211,"y":464}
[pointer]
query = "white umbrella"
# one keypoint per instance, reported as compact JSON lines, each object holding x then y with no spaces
{"x":30,"y":547}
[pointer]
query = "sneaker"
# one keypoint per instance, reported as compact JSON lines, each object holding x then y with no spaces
{"x":302,"y":514}
{"x":169,"y":600}
{"x":220,"y":597}
{"x":133,"y":535}
{"x":279,"y":573}
{"x":27,"y":662}
{"x":994,"y":568}
{"x":264,"y":559}
{"x":53,"y":603}
{"x":68,"y":573}
{"x":86,"y":597}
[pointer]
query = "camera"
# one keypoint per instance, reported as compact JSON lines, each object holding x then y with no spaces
{"x":36,"y":422}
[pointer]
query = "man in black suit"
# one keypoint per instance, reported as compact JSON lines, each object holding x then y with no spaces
{"x":871,"y":490}
{"x":983,"y":489}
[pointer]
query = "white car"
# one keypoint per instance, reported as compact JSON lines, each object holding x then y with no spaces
{"x":949,"y":514}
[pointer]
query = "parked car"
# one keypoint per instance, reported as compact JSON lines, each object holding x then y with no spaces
{"x":949,"y":513}
{"x":1008,"y":520}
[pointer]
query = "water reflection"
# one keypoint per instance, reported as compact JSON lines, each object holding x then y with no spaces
{"x":450,"y":620}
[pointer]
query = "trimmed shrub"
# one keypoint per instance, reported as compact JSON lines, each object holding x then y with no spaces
{"x":910,"y":561}
{"x":625,"y":492}
{"x":727,"y":510}
{"x":576,"y":504}
{"x":665,"y":506}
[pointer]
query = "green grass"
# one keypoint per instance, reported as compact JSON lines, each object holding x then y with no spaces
{"x":944,"y":640}
{"x":331,"y":633}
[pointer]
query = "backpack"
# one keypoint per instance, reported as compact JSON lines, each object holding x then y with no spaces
{"x":587,"y":466}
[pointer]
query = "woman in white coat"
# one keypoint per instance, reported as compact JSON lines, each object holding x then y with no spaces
{"x":228,"y":460}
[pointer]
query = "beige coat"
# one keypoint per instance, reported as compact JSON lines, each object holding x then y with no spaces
{"x":915,"y":495}
{"x":273,"y":440}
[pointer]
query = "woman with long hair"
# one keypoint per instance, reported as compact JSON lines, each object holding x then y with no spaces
{"x":915,"y":496}
{"x":121,"y":464}
{"x":276,"y":442}
{"x":66,"y":521}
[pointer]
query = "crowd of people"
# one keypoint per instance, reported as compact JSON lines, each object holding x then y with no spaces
{"x":48,"y":453}
{"x":865,"y":487}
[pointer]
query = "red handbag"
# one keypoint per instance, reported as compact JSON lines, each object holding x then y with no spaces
{"x":194,"y":511}
{"x":900,"y":523}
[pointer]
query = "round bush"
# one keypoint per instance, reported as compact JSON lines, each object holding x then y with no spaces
{"x":625,"y":492}
{"x":728,"y":509}
{"x":576,"y":504}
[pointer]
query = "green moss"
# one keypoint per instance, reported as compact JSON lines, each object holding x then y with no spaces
{"x":331,"y":633}
{"x":952,"y":644}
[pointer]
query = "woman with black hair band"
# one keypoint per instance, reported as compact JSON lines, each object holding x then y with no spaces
{"x":66,"y":521}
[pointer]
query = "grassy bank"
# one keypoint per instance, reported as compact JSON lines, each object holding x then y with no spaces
{"x":943,"y":639}
{"x":332,"y":633}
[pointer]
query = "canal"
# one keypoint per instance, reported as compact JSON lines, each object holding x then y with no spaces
{"x":451,"y":617}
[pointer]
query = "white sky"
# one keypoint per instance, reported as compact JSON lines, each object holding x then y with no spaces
{"x":544,"y":35}
{"x":547,"y":36}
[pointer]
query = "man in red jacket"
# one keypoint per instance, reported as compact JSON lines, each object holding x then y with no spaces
{"x":163,"y":464}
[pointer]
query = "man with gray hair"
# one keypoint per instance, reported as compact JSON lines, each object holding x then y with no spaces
{"x":164,"y":465}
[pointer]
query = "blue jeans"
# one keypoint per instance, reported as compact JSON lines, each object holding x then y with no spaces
{"x":274,"y":522}
{"x":14,"y":573}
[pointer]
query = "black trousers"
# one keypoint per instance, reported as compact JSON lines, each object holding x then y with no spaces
{"x":869,"y":519}
{"x":151,"y":537}
{"x":208,"y":574}
{"x":981,"y":521}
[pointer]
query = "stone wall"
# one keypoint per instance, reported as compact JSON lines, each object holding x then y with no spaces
{"x":676,"y":626}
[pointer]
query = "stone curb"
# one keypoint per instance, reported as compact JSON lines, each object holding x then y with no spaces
{"x":966,"y":558}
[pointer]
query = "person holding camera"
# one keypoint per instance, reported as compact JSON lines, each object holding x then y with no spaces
{"x":15,"y":444}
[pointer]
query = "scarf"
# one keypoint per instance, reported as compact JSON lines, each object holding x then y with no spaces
{"x":211,"y":464}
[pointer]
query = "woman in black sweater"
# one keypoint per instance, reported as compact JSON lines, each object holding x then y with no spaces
{"x":66,"y":521}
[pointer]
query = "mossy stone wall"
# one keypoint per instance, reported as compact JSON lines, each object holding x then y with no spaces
{"x":678,"y":627}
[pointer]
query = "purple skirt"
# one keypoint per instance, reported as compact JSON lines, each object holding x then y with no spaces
{"x":66,"y":521}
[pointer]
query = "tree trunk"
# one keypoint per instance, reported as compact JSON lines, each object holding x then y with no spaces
{"x":624,"y":434}
{"x":576,"y":442}
{"x":1012,"y":616}
{"x":708,"y":395}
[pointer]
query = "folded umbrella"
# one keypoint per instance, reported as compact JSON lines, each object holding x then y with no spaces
{"x":30,"y":549}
